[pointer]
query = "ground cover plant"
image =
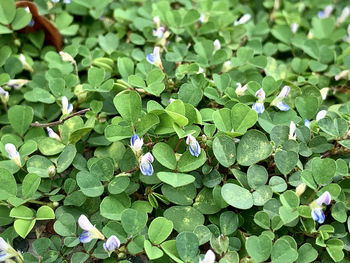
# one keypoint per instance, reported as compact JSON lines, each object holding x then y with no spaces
{"x":174,"y":131}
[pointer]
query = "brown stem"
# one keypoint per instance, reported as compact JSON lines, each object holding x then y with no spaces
{"x":55,"y":123}
{"x":177,"y":145}
{"x":132,"y":170}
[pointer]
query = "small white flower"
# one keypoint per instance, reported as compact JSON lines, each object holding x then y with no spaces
{"x":17,"y":83}
{"x":156,"y":21}
{"x":200,"y":70}
{"x":324,"y":93}
{"x":90,"y":232}
{"x":300,"y":189}
{"x":244,"y":19}
{"x":111,"y":244}
{"x":66,"y":57}
{"x":7,"y":252}
{"x":146,"y":164}
{"x":260,"y":94}
{"x":4,"y":95}
{"x":13,"y":154}
{"x":240,"y":90}
{"x":208,"y":258}
{"x":307,"y":123}
{"x":326,"y":12}
{"x":342,"y":75}
{"x":136,"y":143}
{"x":171,"y":100}
{"x":321,"y":114}
{"x":292,"y":128}
{"x":217,"y":45}
{"x":159,"y":32}
{"x":294,"y":27}
{"x":193,"y":145}
{"x":258,"y":106}
{"x":203,"y":18}
{"x":154,"y":58}
{"x":227,"y":66}
{"x":66,"y":107}
{"x":25,"y":64}
{"x":27,"y":9}
{"x":52,"y":134}
{"x":344,"y":15}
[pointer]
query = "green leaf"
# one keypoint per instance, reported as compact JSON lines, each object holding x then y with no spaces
{"x":228,"y":222}
{"x":165,"y":155}
{"x":175,"y":179}
{"x":65,"y":225}
{"x":8,"y":186}
{"x":45,"y":213}
{"x":253,"y":147}
{"x":187,"y":245}
{"x":159,"y":230}
{"x":30,"y":184}
{"x":224,"y":149}
{"x":103,"y":169}
{"x":237,"y":196}
{"x":242,"y":117}
{"x":20,"y":117}
{"x":49,"y":146}
{"x":109,"y":42}
{"x":152,"y":252}
{"x":256,"y":176}
{"x":128,"y":104}
{"x":23,"y":227}
{"x":307,"y":106}
{"x":112,"y":208}
{"x":7,"y":11}
{"x":66,"y":158}
{"x":335,"y":249}
{"x":306,"y":253}
{"x":118,"y":184}
{"x":259,"y":248}
{"x":323,"y":170}
{"x":184,"y":218}
{"x":89,"y":184}
{"x":133,"y":221}
{"x":21,"y":20}
{"x":286,"y":161}
{"x":96,"y":76}
{"x":282,"y":252}
{"x":189,"y":162}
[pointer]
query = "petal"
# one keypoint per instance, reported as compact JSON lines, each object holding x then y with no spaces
{"x":258,"y":107}
{"x":260,"y":94}
{"x":133,"y":139}
{"x":85,"y":223}
{"x":148,"y":157}
{"x":70,"y":108}
{"x":4,"y":246}
{"x":150,"y":58}
{"x":195,"y":149}
{"x":284,"y":92}
{"x":321,"y":14}
{"x":321,"y":115}
{"x":307,"y":123}
{"x":282,"y":106}
{"x":189,"y":139}
{"x":64,"y":103}
{"x":111,"y":244}
{"x":85,"y":237}
{"x":217,"y":44}
{"x":318,"y":215}
{"x":11,"y":150}
{"x":325,"y":198}
{"x":146,"y":168}
{"x":209,"y":257}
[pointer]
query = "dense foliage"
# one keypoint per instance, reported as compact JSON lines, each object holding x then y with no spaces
{"x":175,"y":131}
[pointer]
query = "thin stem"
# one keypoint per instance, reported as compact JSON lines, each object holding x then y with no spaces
{"x":55,"y":123}
{"x":177,"y":145}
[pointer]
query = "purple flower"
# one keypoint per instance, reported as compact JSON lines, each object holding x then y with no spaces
{"x":66,"y":107}
{"x":193,"y":145}
{"x":258,"y":107}
{"x":159,"y":32}
{"x":318,"y":215}
{"x":136,"y":143}
{"x":154,"y":58}
{"x":146,"y":164}
{"x":278,"y":101}
{"x":13,"y":154}
{"x":52,"y":134}
{"x":325,"y":198}
{"x":111,"y":244}
{"x":307,"y":123}
{"x":90,"y":232}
